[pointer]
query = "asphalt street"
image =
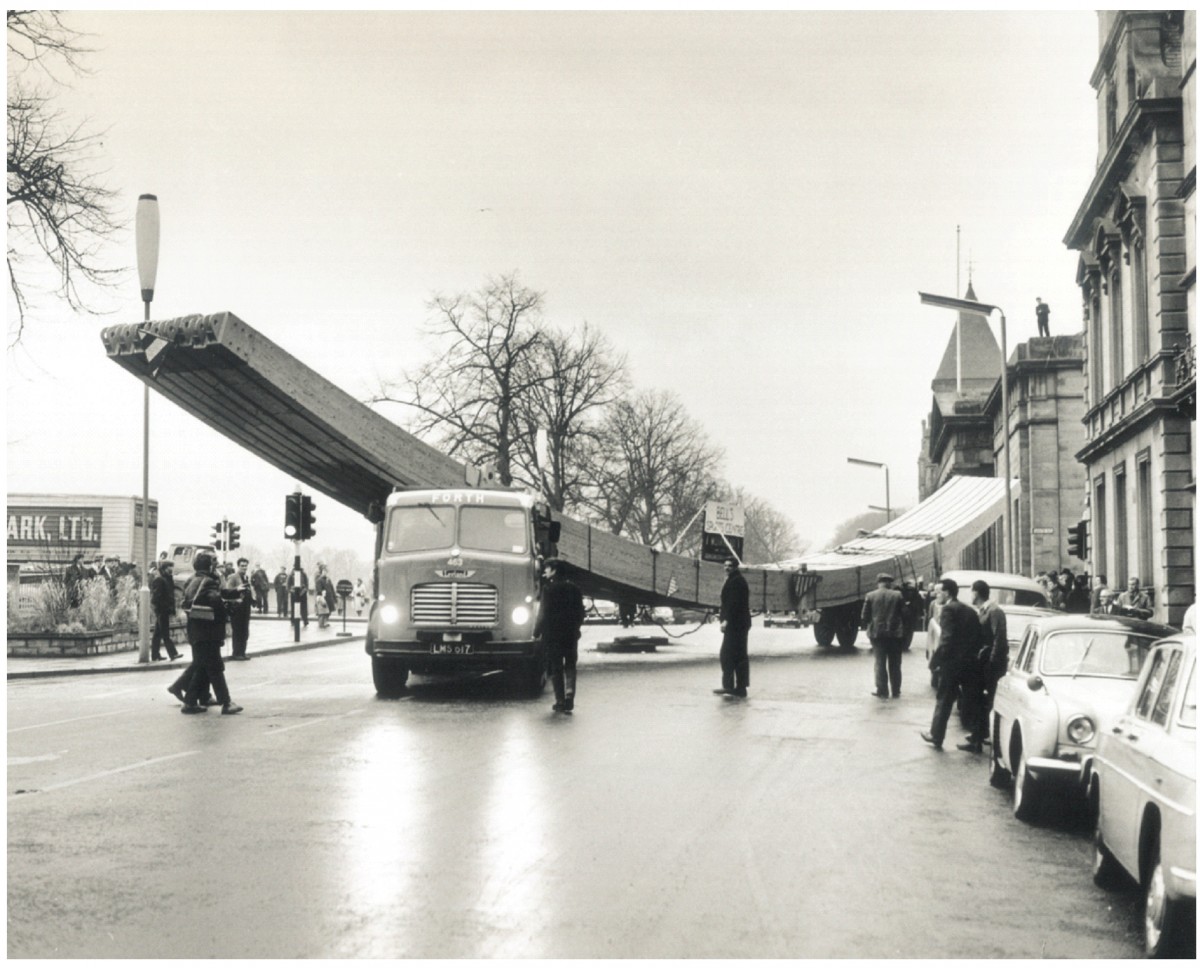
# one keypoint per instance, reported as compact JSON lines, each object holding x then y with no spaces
{"x":466,"y":821}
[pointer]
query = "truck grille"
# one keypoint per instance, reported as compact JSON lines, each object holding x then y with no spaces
{"x":454,"y":603}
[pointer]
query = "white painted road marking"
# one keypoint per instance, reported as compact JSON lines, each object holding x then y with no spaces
{"x":114,"y":772}
{"x":60,"y":722}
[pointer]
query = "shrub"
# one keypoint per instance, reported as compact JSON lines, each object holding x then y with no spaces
{"x":98,"y":609}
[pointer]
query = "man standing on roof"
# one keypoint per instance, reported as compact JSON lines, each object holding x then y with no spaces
{"x":882,"y":617}
{"x":1043,"y":317}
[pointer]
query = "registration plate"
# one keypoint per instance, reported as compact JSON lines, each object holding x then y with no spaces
{"x":450,"y":648}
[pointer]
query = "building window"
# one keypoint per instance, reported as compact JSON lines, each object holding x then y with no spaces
{"x":1110,"y":114}
{"x":1145,"y":513}
{"x":1120,"y":569}
{"x":1116,"y":353}
{"x":1100,"y":528}
{"x":1141,"y":309}
{"x":1096,"y":354}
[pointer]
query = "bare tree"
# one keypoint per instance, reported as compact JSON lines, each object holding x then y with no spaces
{"x":58,"y":212}
{"x":848,"y":529}
{"x":770,"y":534}
{"x":467,"y":396}
{"x":653,"y":470}
{"x":574,"y":376}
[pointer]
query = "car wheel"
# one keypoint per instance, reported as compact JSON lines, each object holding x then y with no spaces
{"x":998,"y":776}
{"x":390,"y":677}
{"x":1168,"y":929}
{"x":1106,"y":872}
{"x":1026,"y":792}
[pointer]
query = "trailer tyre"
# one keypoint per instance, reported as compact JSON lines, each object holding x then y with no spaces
{"x":846,"y":634}
{"x":824,"y":633}
{"x":390,"y":677}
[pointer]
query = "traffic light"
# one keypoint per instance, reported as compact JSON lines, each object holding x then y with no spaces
{"x":306,"y":517}
{"x":232,"y":535}
{"x":218,"y":535}
{"x":291,"y":517}
{"x":1077,"y":541}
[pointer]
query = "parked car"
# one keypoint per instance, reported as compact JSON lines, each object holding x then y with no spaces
{"x":1142,"y":786}
{"x":1070,"y":679}
{"x":1022,"y":599}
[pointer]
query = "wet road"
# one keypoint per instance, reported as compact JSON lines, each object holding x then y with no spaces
{"x":465,"y":821}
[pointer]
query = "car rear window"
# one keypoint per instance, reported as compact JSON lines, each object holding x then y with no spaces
{"x":1007,"y":596}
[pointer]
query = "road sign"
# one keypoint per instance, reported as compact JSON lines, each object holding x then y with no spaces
{"x":345,"y":587}
{"x":724,"y":531}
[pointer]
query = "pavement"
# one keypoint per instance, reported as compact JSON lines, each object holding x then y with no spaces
{"x":269,"y":636}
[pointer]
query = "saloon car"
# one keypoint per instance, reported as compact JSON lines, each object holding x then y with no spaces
{"x":1068,"y":681}
{"x":1142,"y":787}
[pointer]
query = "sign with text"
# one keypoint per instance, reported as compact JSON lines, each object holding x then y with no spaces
{"x":77,"y":528}
{"x":722,"y":523}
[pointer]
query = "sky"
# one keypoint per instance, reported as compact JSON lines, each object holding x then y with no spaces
{"x":744,"y":204}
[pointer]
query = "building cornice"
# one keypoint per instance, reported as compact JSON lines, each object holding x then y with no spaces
{"x":1135,"y":423}
{"x":1117,"y":164}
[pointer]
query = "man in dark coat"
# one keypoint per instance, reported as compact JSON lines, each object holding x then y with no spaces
{"x":882,"y":617}
{"x":281,"y":593}
{"x":993,"y":656}
{"x":261,"y":584}
{"x":956,"y":660}
{"x":559,"y":621}
{"x":207,"y":636}
{"x":735,"y":624}
{"x":912,"y":613}
{"x":162,"y":600}
{"x":238,"y":584}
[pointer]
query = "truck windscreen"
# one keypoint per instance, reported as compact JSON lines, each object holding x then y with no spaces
{"x":420,"y":528}
{"x":493,"y":529}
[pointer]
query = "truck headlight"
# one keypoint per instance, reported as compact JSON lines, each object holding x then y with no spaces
{"x":1081,"y":730}
{"x":389,"y":615}
{"x":520,"y":615}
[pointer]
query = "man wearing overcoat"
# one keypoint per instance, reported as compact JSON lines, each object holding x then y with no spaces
{"x":882,"y":617}
{"x":559,"y":621}
{"x":956,"y":660}
{"x":735,"y":626}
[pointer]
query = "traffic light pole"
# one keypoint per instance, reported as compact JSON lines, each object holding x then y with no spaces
{"x":297,"y":592}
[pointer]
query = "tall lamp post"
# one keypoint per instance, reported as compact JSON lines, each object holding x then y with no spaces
{"x":887,"y":487}
{"x":986,"y":310}
{"x":146,"y":232}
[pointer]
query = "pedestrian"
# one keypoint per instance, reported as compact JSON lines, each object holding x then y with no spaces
{"x":955,"y":660}
{"x":882,"y":617}
{"x":261,"y":585}
{"x":1134,"y":600}
{"x":735,"y":629}
{"x":109,"y":571}
{"x":1078,"y":599}
{"x":558,"y":625}
{"x":1108,"y":603}
{"x":1043,"y":317}
{"x":298,"y":585}
{"x":325,"y":596}
{"x":162,"y":601}
{"x":73,"y":579}
{"x":240,"y":603}
{"x":361,"y":599}
{"x":911,"y":613}
{"x":281,"y":592}
{"x":206,"y":634}
{"x":1099,"y":585}
{"x":993,"y":623}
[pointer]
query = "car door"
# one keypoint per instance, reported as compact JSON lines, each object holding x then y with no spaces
{"x":1011,"y":691}
{"x":1164,"y":776}
{"x":1120,"y":793}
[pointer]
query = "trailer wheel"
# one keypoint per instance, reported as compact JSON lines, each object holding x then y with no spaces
{"x":846,"y":634}
{"x":824,"y":632}
{"x":390,"y":676}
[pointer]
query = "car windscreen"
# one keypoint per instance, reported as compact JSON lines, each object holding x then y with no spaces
{"x":493,"y":529}
{"x":422,"y":527}
{"x":1007,"y":596}
{"x":1087,"y":652}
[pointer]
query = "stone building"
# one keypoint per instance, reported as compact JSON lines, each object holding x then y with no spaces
{"x":1135,"y":234}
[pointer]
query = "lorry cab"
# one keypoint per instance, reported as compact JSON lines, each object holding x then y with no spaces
{"x":457,"y":582}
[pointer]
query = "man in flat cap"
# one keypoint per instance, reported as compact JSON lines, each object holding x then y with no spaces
{"x":882,"y":617}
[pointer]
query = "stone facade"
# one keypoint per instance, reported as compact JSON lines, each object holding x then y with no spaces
{"x":1135,"y":232}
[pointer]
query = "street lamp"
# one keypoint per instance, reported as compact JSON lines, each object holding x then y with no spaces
{"x":887,"y":487}
{"x":986,"y":309}
{"x":146,"y":232}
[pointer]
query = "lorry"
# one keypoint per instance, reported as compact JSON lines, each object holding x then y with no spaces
{"x":457,"y":578}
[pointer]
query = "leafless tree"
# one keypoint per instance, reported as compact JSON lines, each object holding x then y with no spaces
{"x":770,"y":534}
{"x":467,"y":396}
{"x":579,"y":376}
{"x":653,"y":470}
{"x":58,"y":212}
{"x":848,"y":529}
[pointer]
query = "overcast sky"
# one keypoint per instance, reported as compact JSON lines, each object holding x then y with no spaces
{"x":745,"y":204}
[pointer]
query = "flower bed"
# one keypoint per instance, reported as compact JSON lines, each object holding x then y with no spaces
{"x":83,"y":643}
